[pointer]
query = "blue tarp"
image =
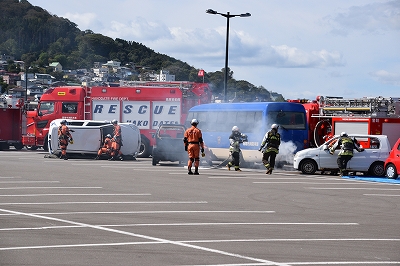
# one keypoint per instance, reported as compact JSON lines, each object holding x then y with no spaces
{"x":374,"y":179}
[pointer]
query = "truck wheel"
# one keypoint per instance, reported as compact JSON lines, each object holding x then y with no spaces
{"x":391,"y":171}
{"x":145,"y":149}
{"x":377,"y":169}
{"x":32,"y":148}
{"x":154,"y":161}
{"x":18,"y":146}
{"x":46,"y":144}
{"x":308,"y":167}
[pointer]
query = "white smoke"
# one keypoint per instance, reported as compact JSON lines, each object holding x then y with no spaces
{"x":286,"y":152}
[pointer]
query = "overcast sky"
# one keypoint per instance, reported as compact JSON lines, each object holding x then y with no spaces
{"x":301,"y":49}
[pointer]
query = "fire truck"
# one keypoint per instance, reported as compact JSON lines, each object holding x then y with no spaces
{"x":328,"y":116}
{"x":145,"y":104}
{"x":11,"y":109}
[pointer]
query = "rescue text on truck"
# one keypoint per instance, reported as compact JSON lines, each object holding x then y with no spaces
{"x":145,"y":104}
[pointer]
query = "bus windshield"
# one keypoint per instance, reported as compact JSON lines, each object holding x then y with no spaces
{"x":288,"y":120}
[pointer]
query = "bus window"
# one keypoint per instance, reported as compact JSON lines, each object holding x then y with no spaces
{"x":288,"y":120}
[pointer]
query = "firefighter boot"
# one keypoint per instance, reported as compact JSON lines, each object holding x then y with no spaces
{"x":229,"y":166}
{"x":65,"y":157}
{"x":97,"y":157}
{"x":190,"y":171}
{"x":238,"y":169}
{"x":269,"y":171}
{"x":196,"y":171}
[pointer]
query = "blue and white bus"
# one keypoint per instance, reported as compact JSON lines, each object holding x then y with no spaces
{"x":253,"y":119}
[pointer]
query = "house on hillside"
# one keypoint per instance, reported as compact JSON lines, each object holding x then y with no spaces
{"x":57,"y":67}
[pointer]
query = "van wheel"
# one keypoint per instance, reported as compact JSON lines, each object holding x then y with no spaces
{"x":145,"y":150}
{"x":391,"y":171}
{"x":377,"y":169}
{"x":308,"y":167}
{"x":46,"y":144}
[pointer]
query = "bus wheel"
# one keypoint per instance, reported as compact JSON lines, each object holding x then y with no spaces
{"x":145,"y":149}
{"x":308,"y":167}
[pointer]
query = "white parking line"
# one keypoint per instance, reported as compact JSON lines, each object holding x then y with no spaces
{"x":23,"y":182}
{"x":381,"y":195}
{"x":171,"y":224}
{"x":147,"y":212}
{"x":351,"y":188}
{"x":51,"y":187}
{"x":160,"y":240}
{"x":40,"y":195}
{"x":104,"y":202}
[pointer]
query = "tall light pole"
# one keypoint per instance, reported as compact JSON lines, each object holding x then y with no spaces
{"x":228,"y":16}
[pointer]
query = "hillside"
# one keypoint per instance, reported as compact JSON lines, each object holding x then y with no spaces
{"x":29,"y":33}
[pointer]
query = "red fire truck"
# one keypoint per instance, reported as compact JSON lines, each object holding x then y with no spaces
{"x":11,"y":122}
{"x":145,"y":104}
{"x":328,"y":116}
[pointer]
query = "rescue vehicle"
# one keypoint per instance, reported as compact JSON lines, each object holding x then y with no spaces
{"x":144,"y":104}
{"x":329,"y":116}
{"x":11,"y":109}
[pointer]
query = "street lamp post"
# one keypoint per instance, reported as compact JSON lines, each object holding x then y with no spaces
{"x":228,"y":16}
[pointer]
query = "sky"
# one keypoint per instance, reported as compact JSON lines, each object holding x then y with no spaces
{"x":300,"y":49}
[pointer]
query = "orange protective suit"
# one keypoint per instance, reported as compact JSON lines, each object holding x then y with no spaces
{"x":193,"y":140}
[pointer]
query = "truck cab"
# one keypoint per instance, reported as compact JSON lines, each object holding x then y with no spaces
{"x":63,"y":103}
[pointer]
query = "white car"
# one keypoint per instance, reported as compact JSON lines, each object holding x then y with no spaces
{"x":370,"y":161}
{"x":89,"y":135}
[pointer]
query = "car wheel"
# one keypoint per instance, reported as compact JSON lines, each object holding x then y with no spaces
{"x":308,"y":167}
{"x":145,"y":149}
{"x":377,"y":169}
{"x":391,"y":171}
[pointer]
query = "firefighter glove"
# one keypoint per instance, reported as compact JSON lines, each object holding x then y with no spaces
{"x":71,"y":141}
{"x":203,"y":154}
{"x":259,"y":149}
{"x":202,"y":150}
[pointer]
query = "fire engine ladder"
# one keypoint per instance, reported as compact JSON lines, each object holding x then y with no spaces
{"x":377,"y":106}
{"x":88,"y":103}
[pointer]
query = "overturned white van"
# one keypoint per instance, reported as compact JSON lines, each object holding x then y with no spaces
{"x":88,"y":136}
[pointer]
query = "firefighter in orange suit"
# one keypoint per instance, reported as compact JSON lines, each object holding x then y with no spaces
{"x":106,"y":148}
{"x":193,"y":140}
{"x":116,"y":142}
{"x":64,"y":137}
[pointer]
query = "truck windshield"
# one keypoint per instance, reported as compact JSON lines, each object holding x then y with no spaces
{"x":46,"y":108}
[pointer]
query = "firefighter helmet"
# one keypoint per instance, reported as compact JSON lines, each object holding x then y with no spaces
{"x":108,"y":136}
{"x":235,"y":128}
{"x":194,"y":121}
{"x":274,"y":126}
{"x":63,"y":122}
{"x":343,"y":134}
{"x":114,"y":121}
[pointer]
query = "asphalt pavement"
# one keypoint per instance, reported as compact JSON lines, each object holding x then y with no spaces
{"x":89,"y":212}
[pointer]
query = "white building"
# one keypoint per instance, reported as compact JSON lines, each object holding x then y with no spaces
{"x":165,"y":76}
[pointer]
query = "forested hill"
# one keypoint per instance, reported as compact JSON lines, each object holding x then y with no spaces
{"x":31,"y":34}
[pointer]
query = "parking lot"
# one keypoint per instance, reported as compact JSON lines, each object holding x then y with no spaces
{"x":87,"y":212}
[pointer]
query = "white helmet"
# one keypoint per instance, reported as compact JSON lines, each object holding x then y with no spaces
{"x":109,"y":136}
{"x":194,"y":121}
{"x":114,"y":121}
{"x":235,"y":128}
{"x":343,"y":134}
{"x":274,"y":126}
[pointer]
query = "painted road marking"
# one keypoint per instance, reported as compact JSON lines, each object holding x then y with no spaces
{"x":105,"y":202}
{"x":40,"y":195}
{"x":144,"y":212}
{"x":171,"y":224}
{"x":160,"y":240}
{"x":23,"y":182}
{"x":51,"y":187}
{"x":351,"y":188}
{"x":381,"y":195}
